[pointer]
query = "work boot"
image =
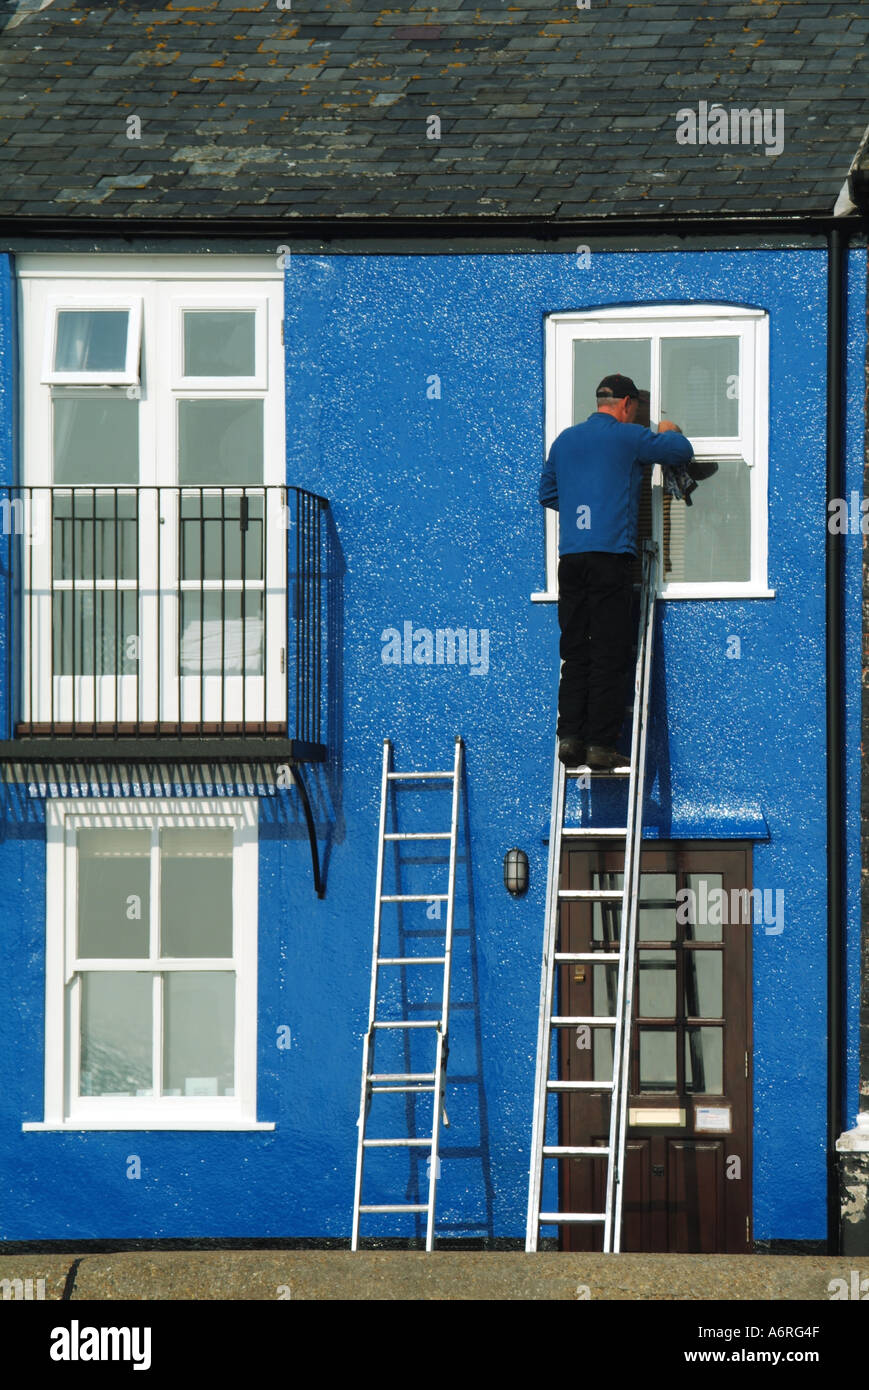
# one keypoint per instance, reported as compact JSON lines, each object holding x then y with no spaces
{"x":571,"y":750}
{"x":601,"y":759}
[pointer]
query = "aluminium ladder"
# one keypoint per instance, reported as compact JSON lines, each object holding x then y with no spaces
{"x":621,"y":957}
{"x":408,"y":1082}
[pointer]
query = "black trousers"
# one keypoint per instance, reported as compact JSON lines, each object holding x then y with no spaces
{"x":595,"y":614}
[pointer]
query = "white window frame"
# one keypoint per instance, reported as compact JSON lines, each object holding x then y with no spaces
{"x":162,"y":287}
{"x":653,"y":321}
{"x":64,"y":1109}
{"x":129,"y":376}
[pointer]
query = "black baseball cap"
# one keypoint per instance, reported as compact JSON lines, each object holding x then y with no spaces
{"x":617,"y":387}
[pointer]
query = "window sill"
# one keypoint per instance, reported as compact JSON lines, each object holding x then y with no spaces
{"x":124,"y":1123}
{"x":707,"y":595}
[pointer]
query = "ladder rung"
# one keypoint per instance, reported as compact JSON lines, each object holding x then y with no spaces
{"x":402,"y":1076}
{"x":413,"y":897}
{"x":411,"y":960}
{"x":599,"y":957}
{"x":613,"y":831}
{"x":568,"y":1218}
{"x":573,"y":1150}
{"x":583,"y":770}
{"x":419,"y":835}
{"x":569,"y":1020}
{"x":579,"y":1085}
{"x":403,"y":1206}
{"x":421,"y":1023}
{"x":378,"y":1090}
{"x":396,"y":1143}
{"x":592,"y":895}
{"x":397,"y":776}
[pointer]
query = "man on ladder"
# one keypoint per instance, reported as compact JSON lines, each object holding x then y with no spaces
{"x":592,"y":478}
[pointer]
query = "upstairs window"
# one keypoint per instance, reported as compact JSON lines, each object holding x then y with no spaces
{"x":706,"y":368}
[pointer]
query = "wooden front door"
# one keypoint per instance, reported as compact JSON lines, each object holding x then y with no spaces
{"x":688,"y":1162}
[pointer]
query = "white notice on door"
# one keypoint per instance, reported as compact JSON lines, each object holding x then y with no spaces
{"x":713,"y":1119}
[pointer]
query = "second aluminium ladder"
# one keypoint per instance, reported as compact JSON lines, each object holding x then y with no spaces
{"x":409,"y":1082}
{"x":613,"y":1153}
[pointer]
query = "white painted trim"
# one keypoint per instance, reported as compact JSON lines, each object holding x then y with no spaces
{"x":63,"y":820}
{"x":151,"y":1125}
{"x":200,"y":282}
{"x":236,"y":387}
{"x":129,"y":376}
{"x":751,"y":327}
{"x":202,"y":266}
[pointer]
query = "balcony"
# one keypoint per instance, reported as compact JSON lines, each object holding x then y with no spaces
{"x":163,"y":622}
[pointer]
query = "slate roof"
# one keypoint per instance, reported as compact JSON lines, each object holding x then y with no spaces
{"x":251,"y":111}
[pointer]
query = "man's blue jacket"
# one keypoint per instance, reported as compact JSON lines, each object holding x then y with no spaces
{"x":593,"y":477}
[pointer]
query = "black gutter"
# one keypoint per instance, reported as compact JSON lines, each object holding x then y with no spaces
{"x":837,"y":243}
{"x":546,"y":227}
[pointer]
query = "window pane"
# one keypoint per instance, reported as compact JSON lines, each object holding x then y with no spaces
{"x":604,"y":982}
{"x":96,"y":437}
{"x":711,"y":539}
{"x":220,"y":441}
{"x":222,"y":536}
{"x":215,"y":639}
{"x":113,"y":892}
{"x":703,"y":984}
{"x":657,"y":1059}
{"x":606,"y":918}
{"x":116,"y":1033}
{"x":657,"y":984}
{"x":91,"y":340}
{"x":704,"y":908}
{"x":199,"y":1040}
{"x":700,"y":385}
{"x":219,"y":344}
{"x":196,"y":892}
{"x":704,"y":1060}
{"x":595,"y":358}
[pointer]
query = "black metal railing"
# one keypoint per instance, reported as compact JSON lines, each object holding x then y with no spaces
{"x":153,"y":612}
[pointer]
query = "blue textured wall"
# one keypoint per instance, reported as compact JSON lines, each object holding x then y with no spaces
{"x":435,"y":504}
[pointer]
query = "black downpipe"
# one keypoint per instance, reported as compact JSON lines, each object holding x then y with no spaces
{"x":837,"y":241}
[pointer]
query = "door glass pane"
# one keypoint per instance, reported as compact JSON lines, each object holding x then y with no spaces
{"x":703,"y":907}
{"x":196,"y":892}
{"x":704,"y":1060}
{"x":700,"y":385}
{"x":199,"y":1039}
{"x":704,"y":984}
{"x":711,"y":539}
{"x":95,"y":633}
{"x":114,"y":874}
{"x":657,"y":923}
{"x":222,"y":632}
{"x":219,"y":343}
{"x":657,"y":984}
{"x":222,"y":536}
{"x":116,"y":1033}
{"x":96,"y":436}
{"x":606,"y":917}
{"x":91,"y":340}
{"x":595,"y":358}
{"x":220,"y":441}
{"x":604,"y":982}
{"x":94,"y":536}
{"x":657,"y":1059}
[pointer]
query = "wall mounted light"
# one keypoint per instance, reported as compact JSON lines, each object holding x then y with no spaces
{"x":516,"y":872}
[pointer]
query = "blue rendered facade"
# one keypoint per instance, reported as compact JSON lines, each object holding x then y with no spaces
{"x":434,"y":503}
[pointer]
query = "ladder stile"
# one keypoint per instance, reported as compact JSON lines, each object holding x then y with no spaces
{"x":619,"y":1019}
{"x":432,"y":1082}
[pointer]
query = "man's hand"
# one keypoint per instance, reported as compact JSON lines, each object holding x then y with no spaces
{"x":665,"y":425}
